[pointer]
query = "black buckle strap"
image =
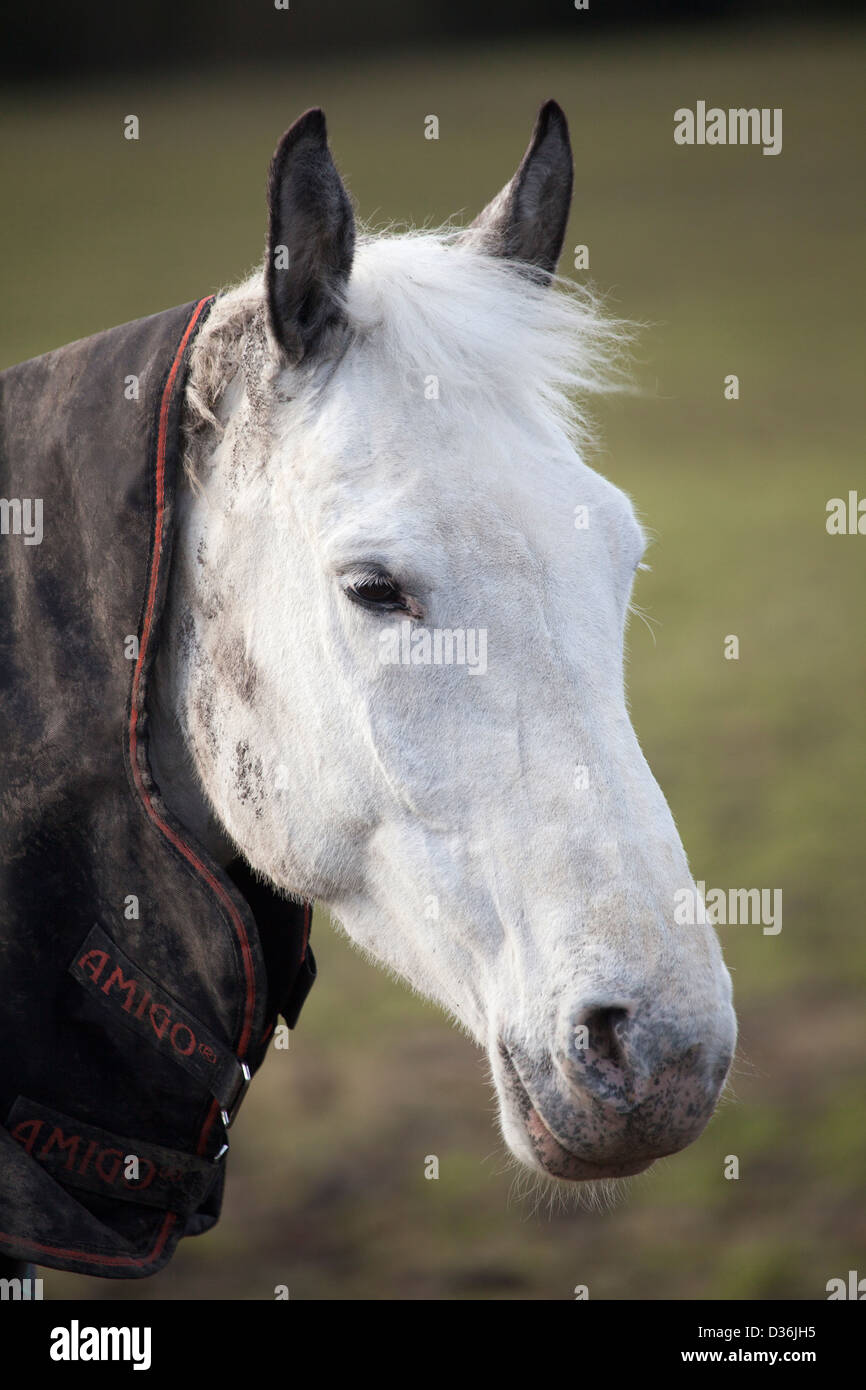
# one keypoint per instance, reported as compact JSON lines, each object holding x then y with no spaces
{"x":80,"y":1155}
{"x":292,"y":1002}
{"x":228,"y":1113}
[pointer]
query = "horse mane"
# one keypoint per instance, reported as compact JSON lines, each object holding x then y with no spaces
{"x":430,"y":307}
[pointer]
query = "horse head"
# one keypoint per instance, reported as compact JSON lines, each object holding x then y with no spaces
{"x":393,"y":678}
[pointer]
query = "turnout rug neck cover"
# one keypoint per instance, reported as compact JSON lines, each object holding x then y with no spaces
{"x":139,"y":982}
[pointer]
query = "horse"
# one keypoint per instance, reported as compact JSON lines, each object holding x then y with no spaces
{"x":375,"y":603}
{"x":383,"y":448}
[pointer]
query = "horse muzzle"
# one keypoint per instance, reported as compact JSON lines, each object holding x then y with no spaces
{"x":615,"y":1093}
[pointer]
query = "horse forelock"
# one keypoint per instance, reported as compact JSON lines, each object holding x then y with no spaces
{"x":434,"y":316}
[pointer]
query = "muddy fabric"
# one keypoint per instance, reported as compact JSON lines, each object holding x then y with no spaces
{"x":139,"y":983}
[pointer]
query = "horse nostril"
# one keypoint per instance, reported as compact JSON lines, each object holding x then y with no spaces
{"x":600,"y":1033}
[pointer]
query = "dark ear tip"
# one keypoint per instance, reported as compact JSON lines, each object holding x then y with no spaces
{"x":551,"y":117}
{"x":312,"y":122}
{"x":310,"y":126}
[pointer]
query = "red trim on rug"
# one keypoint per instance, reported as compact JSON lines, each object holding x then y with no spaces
{"x":136,"y":1261}
{"x":179,"y":844}
{"x":139,"y":1261}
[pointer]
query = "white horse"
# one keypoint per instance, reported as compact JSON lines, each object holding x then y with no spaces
{"x":392,"y":672}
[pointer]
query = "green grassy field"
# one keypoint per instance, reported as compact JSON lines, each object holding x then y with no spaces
{"x":739,"y":263}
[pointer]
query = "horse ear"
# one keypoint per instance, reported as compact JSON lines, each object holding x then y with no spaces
{"x":311,"y":239}
{"x":526,"y":220}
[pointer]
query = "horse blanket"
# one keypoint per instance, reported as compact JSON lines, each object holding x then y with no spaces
{"x":140,"y":983}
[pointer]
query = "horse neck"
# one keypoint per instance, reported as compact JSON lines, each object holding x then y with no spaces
{"x":169,"y":747}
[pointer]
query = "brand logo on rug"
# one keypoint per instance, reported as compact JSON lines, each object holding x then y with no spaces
{"x":126,"y":994}
{"x":76,"y":1154}
{"x":134,"y":997}
{"x":80,"y":1155}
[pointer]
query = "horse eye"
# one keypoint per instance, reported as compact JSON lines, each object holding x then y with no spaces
{"x":376,"y":590}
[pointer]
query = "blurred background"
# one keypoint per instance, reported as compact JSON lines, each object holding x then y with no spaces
{"x":738,"y":263}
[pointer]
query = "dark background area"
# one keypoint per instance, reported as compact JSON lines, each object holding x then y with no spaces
{"x":63,"y":40}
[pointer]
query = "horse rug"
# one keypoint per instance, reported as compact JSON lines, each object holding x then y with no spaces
{"x":140,"y":983}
